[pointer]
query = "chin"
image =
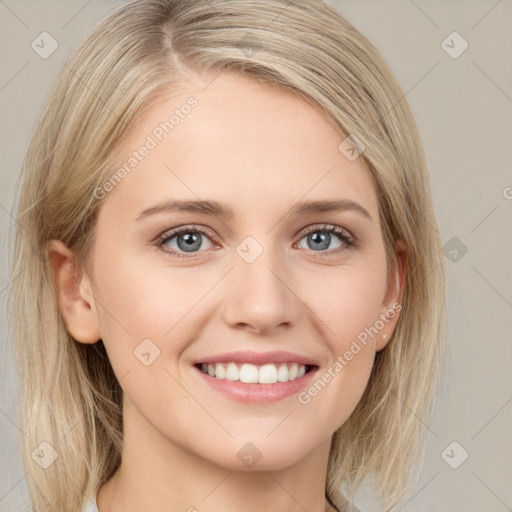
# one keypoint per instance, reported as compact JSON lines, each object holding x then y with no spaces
{"x":257,"y":456}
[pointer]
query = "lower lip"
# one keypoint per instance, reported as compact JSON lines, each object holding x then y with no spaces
{"x":257,"y":393}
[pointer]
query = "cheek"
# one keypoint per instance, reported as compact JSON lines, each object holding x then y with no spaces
{"x":141,"y":302}
{"x":346,"y":301}
{"x":347,"y":313}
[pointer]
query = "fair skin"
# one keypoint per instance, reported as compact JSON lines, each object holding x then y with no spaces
{"x":259,"y":151}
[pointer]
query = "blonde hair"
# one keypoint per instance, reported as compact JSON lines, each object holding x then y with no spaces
{"x":69,"y":395}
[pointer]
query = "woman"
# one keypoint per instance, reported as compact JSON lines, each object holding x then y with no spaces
{"x":231,"y":289}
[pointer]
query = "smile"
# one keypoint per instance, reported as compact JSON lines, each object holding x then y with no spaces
{"x":248,"y":373}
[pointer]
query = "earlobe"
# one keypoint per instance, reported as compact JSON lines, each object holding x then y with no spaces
{"x":74,"y":294}
{"x":392,"y":305}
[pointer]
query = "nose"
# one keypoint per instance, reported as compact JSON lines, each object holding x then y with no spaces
{"x":260,"y":296}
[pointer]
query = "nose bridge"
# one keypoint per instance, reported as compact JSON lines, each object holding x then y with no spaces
{"x":260,"y":294}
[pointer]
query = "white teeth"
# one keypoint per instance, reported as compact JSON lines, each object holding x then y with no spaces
{"x":232,"y":372}
{"x":252,"y":374}
{"x":292,"y":372}
{"x":282,"y":373}
{"x":267,"y":374}
{"x":220,"y":371}
{"x":249,"y":374}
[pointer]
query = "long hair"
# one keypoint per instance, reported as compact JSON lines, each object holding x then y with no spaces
{"x":70,"y":399}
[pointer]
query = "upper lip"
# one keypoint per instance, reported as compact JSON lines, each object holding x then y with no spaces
{"x":259,"y":358}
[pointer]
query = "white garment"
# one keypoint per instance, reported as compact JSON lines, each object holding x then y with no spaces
{"x":91,"y":506}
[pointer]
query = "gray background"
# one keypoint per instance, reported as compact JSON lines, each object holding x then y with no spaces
{"x":463,"y":107}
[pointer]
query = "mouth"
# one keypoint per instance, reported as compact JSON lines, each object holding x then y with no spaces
{"x":256,"y":378}
{"x":248,"y":373}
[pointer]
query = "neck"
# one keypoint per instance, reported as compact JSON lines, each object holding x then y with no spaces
{"x":157,"y":475}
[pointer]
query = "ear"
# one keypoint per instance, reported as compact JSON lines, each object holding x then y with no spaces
{"x":392,"y":304}
{"x":74,"y":294}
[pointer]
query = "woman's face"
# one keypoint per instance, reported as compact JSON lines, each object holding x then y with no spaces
{"x":263,"y":276}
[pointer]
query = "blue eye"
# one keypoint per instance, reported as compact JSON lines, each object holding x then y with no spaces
{"x":321,"y":237}
{"x":186,"y":242}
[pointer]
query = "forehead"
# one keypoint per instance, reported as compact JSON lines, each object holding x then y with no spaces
{"x":241,"y":143}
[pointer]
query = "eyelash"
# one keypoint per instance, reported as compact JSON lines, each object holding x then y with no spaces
{"x":348,"y":240}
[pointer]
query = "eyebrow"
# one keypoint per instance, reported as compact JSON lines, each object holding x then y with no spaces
{"x":215,"y":208}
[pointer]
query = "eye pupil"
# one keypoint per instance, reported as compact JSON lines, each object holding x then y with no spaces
{"x":322,"y":238}
{"x":192,"y":241}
